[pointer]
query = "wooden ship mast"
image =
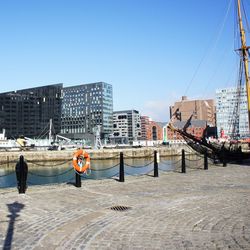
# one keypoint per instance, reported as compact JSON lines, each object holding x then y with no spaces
{"x":244,"y":52}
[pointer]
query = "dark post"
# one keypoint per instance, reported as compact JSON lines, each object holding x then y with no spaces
{"x":239,"y":155}
{"x":21,"y":175}
{"x":156,"y":174}
{"x":183,"y":164}
{"x":78,"y":180}
{"x":224,"y":161}
{"x":121,"y":179}
{"x":205,"y":161}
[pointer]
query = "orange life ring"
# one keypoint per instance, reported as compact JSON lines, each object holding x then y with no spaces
{"x":77,"y":157}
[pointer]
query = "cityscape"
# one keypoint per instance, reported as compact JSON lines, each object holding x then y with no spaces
{"x":125,"y":124}
{"x":78,"y":111}
{"x":101,"y":76}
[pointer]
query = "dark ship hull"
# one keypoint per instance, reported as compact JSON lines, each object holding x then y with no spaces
{"x":225,"y":152}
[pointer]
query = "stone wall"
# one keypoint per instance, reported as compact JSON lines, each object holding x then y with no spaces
{"x":39,"y":156}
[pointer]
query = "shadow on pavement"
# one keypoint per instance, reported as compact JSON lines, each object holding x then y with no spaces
{"x":14,"y":210}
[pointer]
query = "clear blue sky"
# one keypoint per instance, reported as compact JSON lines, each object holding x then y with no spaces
{"x":149,"y":50}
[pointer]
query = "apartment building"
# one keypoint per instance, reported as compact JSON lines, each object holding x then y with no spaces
{"x":231,"y":111}
{"x":126,"y":126}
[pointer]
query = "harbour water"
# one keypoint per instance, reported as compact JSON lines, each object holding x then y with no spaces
{"x":43,"y":173}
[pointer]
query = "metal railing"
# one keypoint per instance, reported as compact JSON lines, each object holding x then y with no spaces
{"x":118,"y":170}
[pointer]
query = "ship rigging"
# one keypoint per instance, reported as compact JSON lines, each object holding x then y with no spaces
{"x":235,"y":150}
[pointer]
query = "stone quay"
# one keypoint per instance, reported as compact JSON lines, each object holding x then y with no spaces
{"x":46,"y":155}
{"x":202,"y":209}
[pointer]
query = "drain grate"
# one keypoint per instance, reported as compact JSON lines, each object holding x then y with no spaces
{"x":120,"y":208}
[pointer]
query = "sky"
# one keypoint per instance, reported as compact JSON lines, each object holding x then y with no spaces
{"x":151,"y":51}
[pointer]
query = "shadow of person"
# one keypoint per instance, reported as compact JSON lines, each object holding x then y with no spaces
{"x":14,"y":210}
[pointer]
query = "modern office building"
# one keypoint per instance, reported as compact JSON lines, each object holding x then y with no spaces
{"x":201,"y":110}
{"x":126,"y":126}
{"x":27,"y":112}
{"x":230,"y":117}
{"x":86,"y":107}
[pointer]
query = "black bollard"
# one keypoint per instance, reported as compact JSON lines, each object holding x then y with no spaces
{"x":183,"y":163}
{"x":21,"y":175}
{"x":121,"y":179}
{"x":224,"y":161}
{"x":205,"y":161}
{"x":239,"y":157}
{"x":156,"y":174}
{"x":78,"y":180}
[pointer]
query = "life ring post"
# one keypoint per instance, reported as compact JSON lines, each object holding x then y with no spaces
{"x":77,"y":162}
{"x":78,"y":180}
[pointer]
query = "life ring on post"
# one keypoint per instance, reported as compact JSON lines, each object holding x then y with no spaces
{"x":78,"y":161}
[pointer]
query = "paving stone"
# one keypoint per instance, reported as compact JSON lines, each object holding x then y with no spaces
{"x":196,"y":210}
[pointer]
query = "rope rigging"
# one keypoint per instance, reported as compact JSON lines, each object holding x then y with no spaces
{"x":235,"y":115}
{"x":212,"y":46}
{"x":245,"y":16}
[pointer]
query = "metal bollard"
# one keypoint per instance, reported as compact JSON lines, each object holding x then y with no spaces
{"x":21,"y":175}
{"x":121,"y":179}
{"x":78,"y":180}
{"x":224,"y":161}
{"x":183,"y":163}
{"x":205,"y":161}
{"x":239,"y":158}
{"x":156,"y":160}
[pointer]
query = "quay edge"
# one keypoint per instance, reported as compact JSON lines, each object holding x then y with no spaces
{"x":101,"y":154}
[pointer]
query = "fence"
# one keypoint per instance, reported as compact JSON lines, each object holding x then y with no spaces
{"x":118,"y":171}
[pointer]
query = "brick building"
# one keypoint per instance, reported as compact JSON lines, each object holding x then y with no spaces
{"x":150,"y":130}
{"x":196,"y":128}
{"x":201,"y":110}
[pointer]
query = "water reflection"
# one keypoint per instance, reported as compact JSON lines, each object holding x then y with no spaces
{"x":7,"y":175}
{"x":53,"y":172}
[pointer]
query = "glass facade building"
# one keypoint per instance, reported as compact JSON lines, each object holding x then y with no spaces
{"x":27,"y":112}
{"x":227,"y":111}
{"x":84,"y":108}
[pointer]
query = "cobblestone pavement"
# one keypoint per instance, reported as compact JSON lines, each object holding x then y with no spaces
{"x":197,"y":210}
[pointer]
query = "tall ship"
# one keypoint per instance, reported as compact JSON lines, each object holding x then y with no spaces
{"x":234,"y":149}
